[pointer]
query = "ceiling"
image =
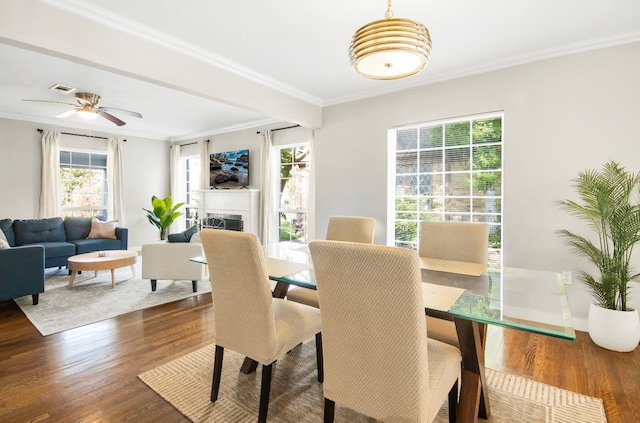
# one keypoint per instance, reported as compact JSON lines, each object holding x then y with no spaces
{"x":212,"y":67}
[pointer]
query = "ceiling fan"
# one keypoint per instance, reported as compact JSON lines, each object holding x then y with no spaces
{"x":87,"y":107}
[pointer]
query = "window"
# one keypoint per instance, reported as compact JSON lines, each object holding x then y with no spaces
{"x":83,"y":183}
{"x":192,"y":180}
{"x":294,"y":192}
{"x":447,"y":171}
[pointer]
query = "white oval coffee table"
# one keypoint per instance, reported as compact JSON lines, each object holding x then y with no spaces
{"x":92,"y":261}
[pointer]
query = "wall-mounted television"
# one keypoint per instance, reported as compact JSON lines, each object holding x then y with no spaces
{"x":229,"y":169}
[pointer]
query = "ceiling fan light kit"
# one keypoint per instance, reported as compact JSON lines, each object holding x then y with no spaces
{"x":87,"y":112}
{"x":390,"y":48}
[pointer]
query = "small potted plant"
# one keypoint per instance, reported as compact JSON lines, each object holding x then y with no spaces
{"x":163,"y":214}
{"x":610,"y":208}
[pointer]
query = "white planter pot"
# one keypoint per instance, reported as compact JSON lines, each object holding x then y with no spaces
{"x":614,"y":330}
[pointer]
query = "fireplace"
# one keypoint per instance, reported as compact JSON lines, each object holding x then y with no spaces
{"x":235,"y":209}
{"x":229,"y":222}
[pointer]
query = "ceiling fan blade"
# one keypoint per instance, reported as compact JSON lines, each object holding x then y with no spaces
{"x":110,"y":117}
{"x":128,"y":112}
{"x":67,"y":113}
{"x":50,"y":101}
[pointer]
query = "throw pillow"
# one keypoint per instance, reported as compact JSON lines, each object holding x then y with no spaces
{"x":184,"y":236}
{"x":3,"y":237}
{"x":196,"y":238}
{"x":6,"y":227}
{"x":4,"y":244}
{"x":100,"y":229}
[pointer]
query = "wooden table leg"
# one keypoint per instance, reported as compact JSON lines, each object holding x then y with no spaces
{"x":474,"y":398}
{"x":72,"y":278}
{"x":280,"y":291}
{"x":113,"y":278}
{"x":133,"y":270}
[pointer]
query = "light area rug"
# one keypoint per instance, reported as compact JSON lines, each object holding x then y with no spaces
{"x":91,"y":298}
{"x":296,"y":395}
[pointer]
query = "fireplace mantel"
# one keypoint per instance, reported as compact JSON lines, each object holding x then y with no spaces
{"x":244,"y":202}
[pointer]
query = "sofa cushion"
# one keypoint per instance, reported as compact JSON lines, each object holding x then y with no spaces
{"x":55,"y":249}
{"x":6,"y":226}
{"x":77,"y":227}
{"x":90,"y":245}
{"x":37,"y":231}
{"x":100,"y":229}
{"x":184,"y":236}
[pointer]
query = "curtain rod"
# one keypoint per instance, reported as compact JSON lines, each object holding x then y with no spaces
{"x":280,"y":129}
{"x":191,"y":143}
{"x":81,"y":135}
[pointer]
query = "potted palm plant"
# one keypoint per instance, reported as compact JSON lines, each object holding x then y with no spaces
{"x":610,"y":208}
{"x":163,"y":214}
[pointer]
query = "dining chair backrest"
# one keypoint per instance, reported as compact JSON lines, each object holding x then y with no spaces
{"x":242,"y":300}
{"x":341,"y":228}
{"x":351,"y":229}
{"x":373,"y":329}
{"x":458,"y":241}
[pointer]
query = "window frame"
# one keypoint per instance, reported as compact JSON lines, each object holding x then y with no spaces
{"x":192,"y":196}
{"x":97,"y":211}
{"x":300,"y":233}
{"x":413,"y":217}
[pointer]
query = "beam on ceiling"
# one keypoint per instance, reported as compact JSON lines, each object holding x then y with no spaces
{"x":46,"y":29}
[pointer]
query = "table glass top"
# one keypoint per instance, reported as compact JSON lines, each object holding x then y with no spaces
{"x":524,"y":299}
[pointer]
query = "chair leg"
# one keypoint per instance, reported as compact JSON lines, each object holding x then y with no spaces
{"x":329,"y":410}
{"x":194,"y":285}
{"x":453,"y":402}
{"x":265,"y":390}
{"x":35,"y":298}
{"x":319,"y":358}
{"x":217,"y":370}
{"x":154,"y":284}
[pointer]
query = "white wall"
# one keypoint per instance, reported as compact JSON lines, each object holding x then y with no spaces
{"x":146,"y":173}
{"x":562,"y":115}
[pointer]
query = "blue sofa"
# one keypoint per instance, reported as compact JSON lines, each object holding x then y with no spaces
{"x":37,"y":244}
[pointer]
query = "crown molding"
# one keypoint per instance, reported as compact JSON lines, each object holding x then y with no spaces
{"x":56,"y":122}
{"x":232,"y":128}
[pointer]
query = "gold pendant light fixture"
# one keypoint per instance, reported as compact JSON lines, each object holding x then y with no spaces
{"x":390,"y":48}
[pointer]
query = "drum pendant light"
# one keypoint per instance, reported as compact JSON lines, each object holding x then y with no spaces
{"x":390,"y":48}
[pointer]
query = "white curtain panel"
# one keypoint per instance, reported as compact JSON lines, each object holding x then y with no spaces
{"x":50,"y":188}
{"x":268,"y":203}
{"x":204,"y":164}
{"x":178,"y":193}
{"x":115,"y":180}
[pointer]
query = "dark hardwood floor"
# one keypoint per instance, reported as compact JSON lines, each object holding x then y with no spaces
{"x":89,"y":374}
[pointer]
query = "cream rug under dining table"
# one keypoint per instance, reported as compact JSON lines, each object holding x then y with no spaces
{"x":296,"y":395}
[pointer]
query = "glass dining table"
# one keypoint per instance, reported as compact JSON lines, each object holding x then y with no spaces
{"x":522,"y":299}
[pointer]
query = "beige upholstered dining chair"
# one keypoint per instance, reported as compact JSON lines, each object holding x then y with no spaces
{"x":378,"y":360}
{"x":341,"y":228}
{"x":460,"y":242}
{"x":247,"y":318}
